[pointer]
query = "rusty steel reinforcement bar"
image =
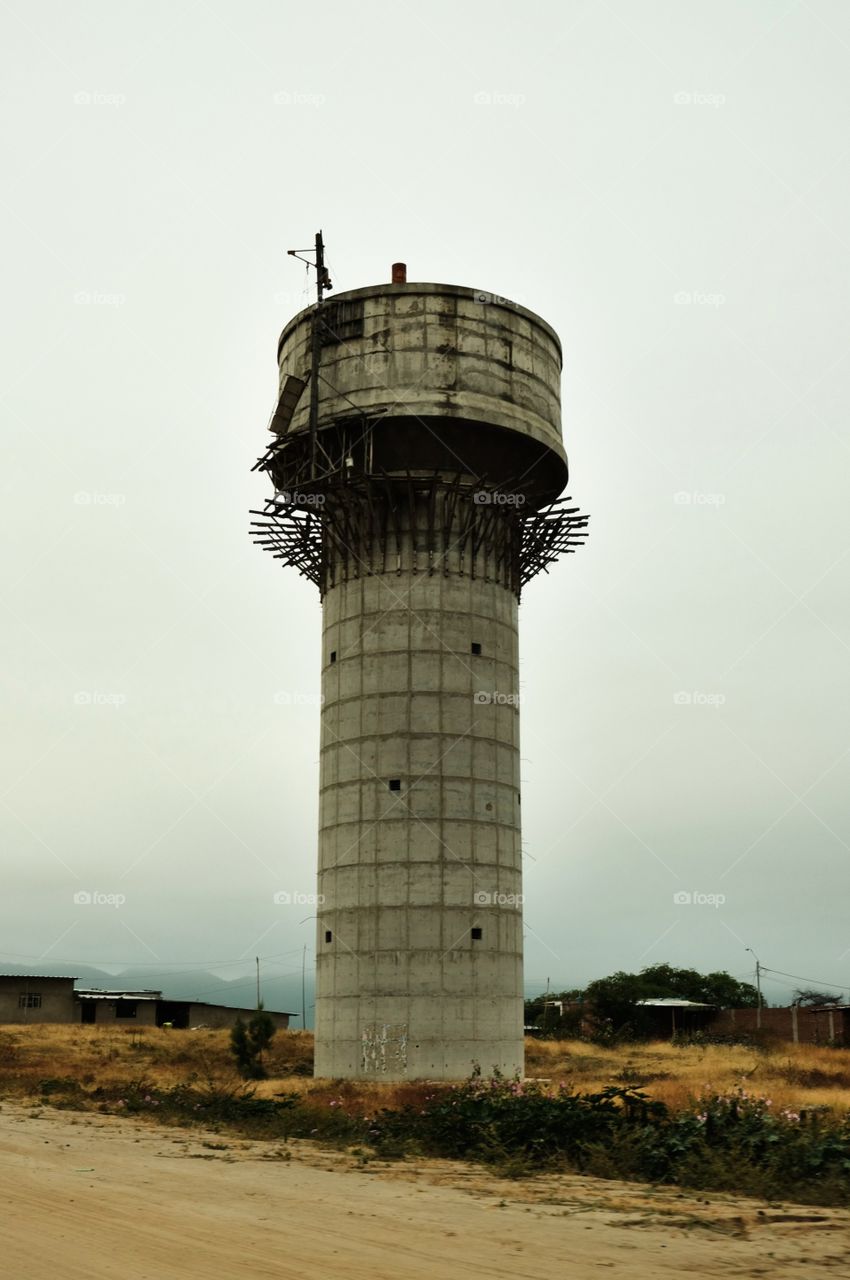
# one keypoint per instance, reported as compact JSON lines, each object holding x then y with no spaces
{"x":343,"y":531}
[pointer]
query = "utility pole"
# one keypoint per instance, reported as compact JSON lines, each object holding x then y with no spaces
{"x":258,"y":982}
{"x":758,"y":986}
{"x":303,"y":995}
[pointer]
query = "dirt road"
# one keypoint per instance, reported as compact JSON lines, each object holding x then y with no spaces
{"x":99,"y":1198}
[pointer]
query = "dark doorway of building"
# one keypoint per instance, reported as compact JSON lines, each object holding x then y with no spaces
{"x":174,"y":1011}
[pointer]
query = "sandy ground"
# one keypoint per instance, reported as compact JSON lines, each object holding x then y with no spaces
{"x":97,"y":1198}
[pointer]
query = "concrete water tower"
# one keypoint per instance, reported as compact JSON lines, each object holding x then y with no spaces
{"x":417,"y":462}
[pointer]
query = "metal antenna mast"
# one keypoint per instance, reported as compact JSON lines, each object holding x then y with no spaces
{"x":323,"y":282}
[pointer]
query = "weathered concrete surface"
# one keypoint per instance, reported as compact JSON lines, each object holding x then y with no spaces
{"x":27,"y":999}
{"x":403,"y":987}
{"x":427,"y":351}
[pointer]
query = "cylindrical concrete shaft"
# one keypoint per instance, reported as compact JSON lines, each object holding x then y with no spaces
{"x":419,"y":949}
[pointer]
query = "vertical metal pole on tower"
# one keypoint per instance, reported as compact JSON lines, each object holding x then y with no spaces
{"x":258,"y":981}
{"x":316,"y":351}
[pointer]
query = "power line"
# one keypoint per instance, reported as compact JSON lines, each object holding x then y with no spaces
{"x":248,"y":982}
{"x":842,"y":986}
{"x":149,"y":964}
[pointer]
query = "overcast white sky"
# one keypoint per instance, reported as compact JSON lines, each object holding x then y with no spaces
{"x":666,"y":182}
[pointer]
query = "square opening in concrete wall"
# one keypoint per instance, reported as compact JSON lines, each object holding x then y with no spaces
{"x":395,"y":784}
{"x":328,"y":936}
{"x":333,"y":655}
{"x":477,"y":934}
{"x":475,"y":648}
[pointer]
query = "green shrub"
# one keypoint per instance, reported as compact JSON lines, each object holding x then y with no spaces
{"x":248,"y":1042}
{"x":732,"y":1142}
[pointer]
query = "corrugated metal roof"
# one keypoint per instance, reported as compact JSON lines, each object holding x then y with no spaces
{"x":670,"y":1002}
{"x":97,"y":993}
{"x":233,"y":1008}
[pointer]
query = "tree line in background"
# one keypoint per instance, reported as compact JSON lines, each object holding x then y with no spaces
{"x":611,"y":1006}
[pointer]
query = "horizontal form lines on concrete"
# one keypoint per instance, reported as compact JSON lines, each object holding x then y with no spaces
{"x":411,"y":785}
{"x":441,"y":931}
{"x":473,"y":891}
{"x":460,"y":654}
{"x":460,"y":842}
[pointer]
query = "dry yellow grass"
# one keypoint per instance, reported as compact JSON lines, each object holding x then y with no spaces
{"x":107,"y":1058}
{"x":790,"y":1075}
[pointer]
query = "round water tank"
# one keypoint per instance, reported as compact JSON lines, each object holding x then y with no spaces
{"x":452,"y":379}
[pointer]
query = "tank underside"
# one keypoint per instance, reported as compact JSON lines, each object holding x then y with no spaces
{"x":351,"y":520}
